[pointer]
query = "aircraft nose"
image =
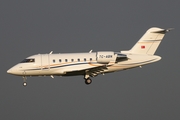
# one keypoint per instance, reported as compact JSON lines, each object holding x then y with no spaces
{"x":10,"y":71}
{"x":15,"y":70}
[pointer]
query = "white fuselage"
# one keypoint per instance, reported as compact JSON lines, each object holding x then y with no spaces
{"x":93,"y":63}
{"x":75,"y":64}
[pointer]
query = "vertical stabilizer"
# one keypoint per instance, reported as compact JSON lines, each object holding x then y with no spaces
{"x":149,"y":42}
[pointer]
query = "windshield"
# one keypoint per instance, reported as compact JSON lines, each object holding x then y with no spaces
{"x":28,"y":60}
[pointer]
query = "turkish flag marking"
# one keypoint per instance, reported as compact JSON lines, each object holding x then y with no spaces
{"x":142,"y":47}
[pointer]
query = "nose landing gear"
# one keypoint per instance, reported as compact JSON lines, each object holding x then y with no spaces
{"x":24,"y":79}
{"x":24,"y":84}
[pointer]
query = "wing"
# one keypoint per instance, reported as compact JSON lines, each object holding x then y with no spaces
{"x":92,"y":71}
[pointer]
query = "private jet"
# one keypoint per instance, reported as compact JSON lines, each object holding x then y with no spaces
{"x":91,"y":64}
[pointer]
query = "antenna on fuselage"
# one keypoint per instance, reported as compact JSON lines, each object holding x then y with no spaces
{"x":51,"y":52}
{"x":90,"y":51}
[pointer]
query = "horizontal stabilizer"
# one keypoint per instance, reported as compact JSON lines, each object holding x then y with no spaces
{"x":163,"y":31}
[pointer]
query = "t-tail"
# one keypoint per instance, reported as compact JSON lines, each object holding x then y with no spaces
{"x":149,"y":42}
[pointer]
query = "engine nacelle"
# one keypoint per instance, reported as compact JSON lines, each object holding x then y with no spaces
{"x":106,"y":57}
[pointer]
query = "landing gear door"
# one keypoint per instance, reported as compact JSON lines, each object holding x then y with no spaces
{"x":45,"y":62}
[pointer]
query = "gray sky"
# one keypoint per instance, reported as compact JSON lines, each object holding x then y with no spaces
{"x":32,"y":27}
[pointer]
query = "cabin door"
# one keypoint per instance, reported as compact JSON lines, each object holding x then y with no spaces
{"x":45,"y":62}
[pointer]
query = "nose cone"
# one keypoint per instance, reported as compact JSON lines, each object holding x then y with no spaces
{"x":15,"y":70}
{"x":10,"y":71}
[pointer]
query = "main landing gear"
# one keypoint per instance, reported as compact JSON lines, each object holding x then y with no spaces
{"x":87,"y":79}
{"x":24,"y":81}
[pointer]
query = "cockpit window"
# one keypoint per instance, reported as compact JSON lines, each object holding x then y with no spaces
{"x":28,"y":60}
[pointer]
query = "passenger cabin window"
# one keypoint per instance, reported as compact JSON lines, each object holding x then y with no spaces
{"x":60,"y":60}
{"x":72,"y":60}
{"x":66,"y":60}
{"x":31,"y":60}
{"x":54,"y":61}
{"x":84,"y":59}
{"x":78,"y":60}
{"x":90,"y":59}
